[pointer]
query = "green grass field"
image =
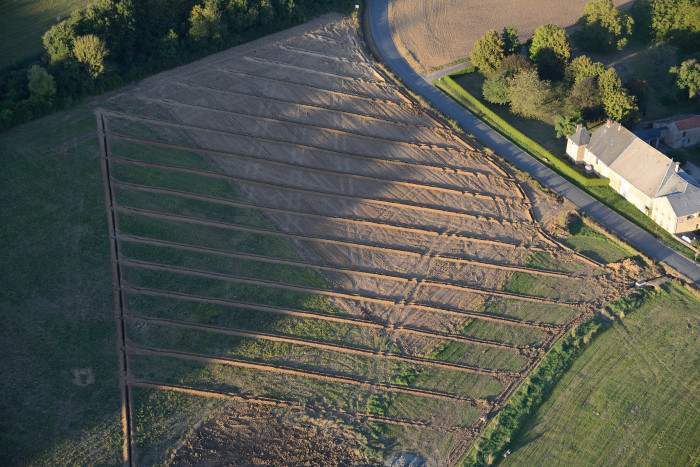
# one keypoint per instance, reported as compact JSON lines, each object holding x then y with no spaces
{"x":57,"y":303}
{"x":631,"y":398}
{"x":23,"y":22}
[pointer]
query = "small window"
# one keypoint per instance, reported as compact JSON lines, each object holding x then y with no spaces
{"x":684,"y":133}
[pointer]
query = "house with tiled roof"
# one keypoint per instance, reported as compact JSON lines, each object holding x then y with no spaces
{"x":641,"y":174}
{"x":680,"y":132}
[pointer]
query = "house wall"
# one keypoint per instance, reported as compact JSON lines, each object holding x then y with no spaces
{"x":662,"y":214}
{"x":575,"y":152}
{"x":681,"y":139}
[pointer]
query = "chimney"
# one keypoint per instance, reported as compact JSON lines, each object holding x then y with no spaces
{"x":608,"y":123}
{"x":578,"y":127}
{"x":619,"y":126}
{"x":678,"y":164}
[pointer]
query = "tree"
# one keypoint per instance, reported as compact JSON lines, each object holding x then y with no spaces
{"x":668,"y":20}
{"x":618,"y":104}
{"x":205,"y":22}
{"x":511,"y":41}
{"x":514,"y":64}
{"x":581,"y":68}
{"x":488,"y":52}
{"x":688,"y":77}
{"x":640,"y":89}
{"x":603,"y":27}
{"x":495,"y":89}
{"x":565,"y":125}
{"x":90,"y":50}
{"x":550,"y":51}
{"x":41,"y":83}
{"x":584,"y":98}
{"x":58,"y":41}
{"x":527,"y":93}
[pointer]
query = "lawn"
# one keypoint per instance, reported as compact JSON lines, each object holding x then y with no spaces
{"x":23,"y":22}
{"x":631,"y":398}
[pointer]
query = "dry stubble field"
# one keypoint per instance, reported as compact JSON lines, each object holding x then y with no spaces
{"x":294,"y":239}
{"x":432,"y":33}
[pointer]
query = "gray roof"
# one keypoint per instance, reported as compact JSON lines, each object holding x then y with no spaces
{"x":581,"y":137}
{"x":649,"y":134}
{"x":685,"y":197}
{"x":608,"y":142}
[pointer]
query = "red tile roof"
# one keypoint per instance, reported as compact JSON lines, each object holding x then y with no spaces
{"x":688,"y":123}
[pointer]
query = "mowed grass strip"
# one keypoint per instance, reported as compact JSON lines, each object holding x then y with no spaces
{"x":307,"y":357}
{"x":246,"y":381}
{"x":481,"y":356}
{"x":499,"y":332}
{"x":206,"y":236}
{"x":174,"y":282}
{"x":546,"y":313}
{"x":222,"y":264}
{"x":253,"y":320}
{"x":630,"y":398}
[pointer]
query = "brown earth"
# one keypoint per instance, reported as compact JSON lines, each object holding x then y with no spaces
{"x":432,"y":33}
{"x":415,"y":231}
{"x":248,"y":435}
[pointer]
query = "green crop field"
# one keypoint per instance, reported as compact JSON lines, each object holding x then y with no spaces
{"x":23,"y":22}
{"x":631,"y":398}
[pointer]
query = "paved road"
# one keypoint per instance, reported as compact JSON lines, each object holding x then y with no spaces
{"x":381,"y":33}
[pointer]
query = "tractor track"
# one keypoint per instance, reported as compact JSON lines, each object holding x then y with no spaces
{"x":305,"y":314}
{"x":512,"y":201}
{"x":308,"y":105}
{"x":276,"y":233}
{"x":261,"y":400}
{"x":379,"y":83}
{"x":347,"y":349}
{"x":363,"y":297}
{"x":398,"y":103}
{"x":310,"y":126}
{"x":289,"y":262}
{"x":402,"y":204}
{"x":442,"y":168}
{"x":318,"y":375}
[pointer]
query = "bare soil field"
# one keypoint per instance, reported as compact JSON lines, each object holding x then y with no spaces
{"x":433,"y":33}
{"x":290,"y":230}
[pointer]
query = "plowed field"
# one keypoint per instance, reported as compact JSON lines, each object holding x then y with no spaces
{"x":290,"y":230}
{"x":432,"y":33}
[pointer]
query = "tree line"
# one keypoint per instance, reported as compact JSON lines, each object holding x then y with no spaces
{"x":113,"y":42}
{"x":541,"y":74}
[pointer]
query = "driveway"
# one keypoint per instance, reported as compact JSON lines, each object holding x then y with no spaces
{"x":639,"y":239}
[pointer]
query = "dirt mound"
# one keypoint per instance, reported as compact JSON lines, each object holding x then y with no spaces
{"x":248,"y":435}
